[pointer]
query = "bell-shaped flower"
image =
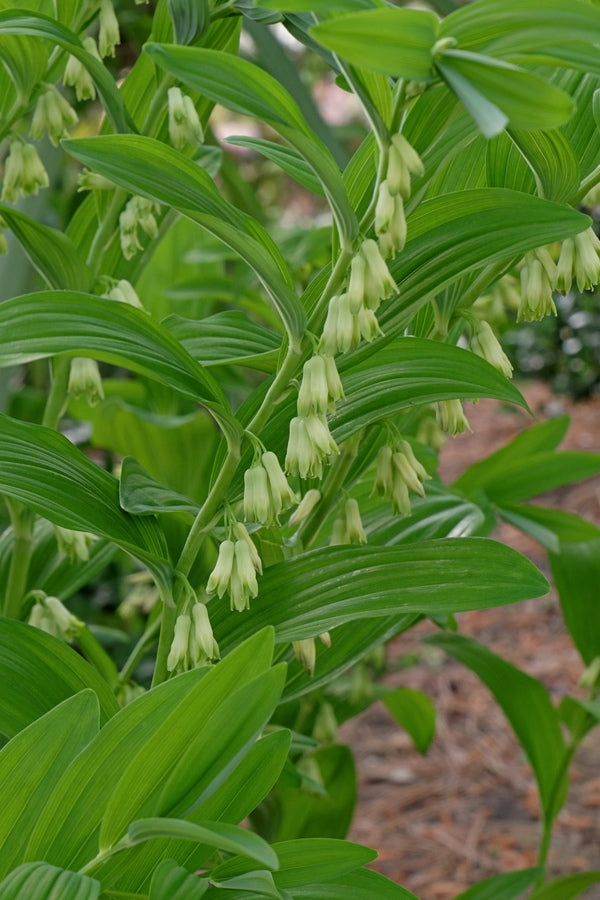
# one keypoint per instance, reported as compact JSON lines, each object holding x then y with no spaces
{"x":451,"y":417}
{"x":73,"y":544}
{"x":240,"y":532}
{"x":587,"y":261}
{"x":403,"y":161}
{"x":85,"y":381}
{"x":52,"y":114}
{"x":305,"y":652}
{"x":109,"y":29}
{"x":202,"y":645}
{"x":123,"y":292}
{"x":257,"y":502}
{"x":341,"y":330}
{"x":185,"y":129}
{"x":537,"y":277}
{"x":390,"y":221}
{"x":178,"y":658}
{"x":485,"y":344}
{"x":280,"y":493}
{"x":77,"y":76}
{"x":243,"y":584}
{"x":305,"y":507}
{"x":219,"y":578}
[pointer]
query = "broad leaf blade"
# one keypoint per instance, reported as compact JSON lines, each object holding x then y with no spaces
{"x":415,"y":712}
{"x":173,"y":882}
{"x":569,"y":887}
{"x":528,"y":707}
{"x":225,"y":338}
{"x":508,"y":886}
{"x":551,"y":527}
{"x":41,"y":881}
{"x":576,"y":572}
{"x":141,"y":494}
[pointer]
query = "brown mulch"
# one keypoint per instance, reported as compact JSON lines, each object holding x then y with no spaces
{"x":469,"y":808}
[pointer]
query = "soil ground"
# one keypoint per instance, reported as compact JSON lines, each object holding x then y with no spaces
{"x":469,"y":808}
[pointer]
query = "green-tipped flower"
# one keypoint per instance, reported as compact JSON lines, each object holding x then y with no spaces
{"x":451,"y":417}
{"x":123,"y":292}
{"x":23,"y":171}
{"x":52,"y":114}
{"x":348,"y":527}
{"x":52,"y":616}
{"x":178,"y":658}
{"x":73,"y":544}
{"x":306,"y":654}
{"x":485,"y":344}
{"x":384,"y":472}
{"x":370,"y":279}
{"x":587,"y":261}
{"x":77,"y":76}
{"x":341,"y":331}
{"x":257,"y":503}
{"x":310,"y":443}
{"x":243,"y":584}
{"x":398,"y":471}
{"x":368,"y":325}
{"x":219,"y":578}
{"x":85,"y":381}
{"x":430,"y":433}
{"x":240,"y":532}
{"x":306,"y":506}
{"x":403,"y":161}
{"x":565,"y":267}
{"x":202,"y":645}
{"x":138,"y":213}
{"x":321,"y":387}
{"x":280,"y":493}
{"x":109,"y":29}
{"x":390,"y":221}
{"x":91,"y":181}
{"x":185,"y":129}
{"x":537,"y":277}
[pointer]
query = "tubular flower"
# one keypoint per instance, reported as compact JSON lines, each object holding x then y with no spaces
{"x":341,"y":331}
{"x":243,"y":584}
{"x":52,"y":114}
{"x":241,"y":534}
{"x":485,"y":344}
{"x":451,"y":417}
{"x":77,"y":76}
{"x":109,"y":29}
{"x":73,"y":544}
{"x":138,"y":213}
{"x":202,"y":645}
{"x":51,"y":615}
{"x":85,"y":381}
{"x":306,"y":506}
{"x":398,"y":471}
{"x":280,"y":493}
{"x":257,"y":503}
{"x":185,"y":129}
{"x":537,"y":277}
{"x":310,"y":443}
{"x":370,"y":279}
{"x":23,"y":171}
{"x":306,"y":654}
{"x":179,"y":658}
{"x":368,"y":325}
{"x":123,"y":292}
{"x":390,"y":221}
{"x":403,"y":161}
{"x":586,"y":262}
{"x":219,"y":578}
{"x":321,"y":387}
{"x":348,"y":527}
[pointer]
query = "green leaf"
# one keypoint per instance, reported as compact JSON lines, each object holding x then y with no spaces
{"x":362,"y":884}
{"x":393,"y":41}
{"x":551,"y":527}
{"x":304,"y":813}
{"x":216,"y":834}
{"x":255,"y":882}
{"x":539,"y":438}
{"x":507,"y":886}
{"x":46,"y":472}
{"x":243,"y":87}
{"x":532,"y":475}
{"x":31,"y":763}
{"x":553,"y":161}
{"x":436,"y":515}
{"x":568,"y":887}
{"x":39,"y":671}
{"x":411,"y":371}
{"x":154,"y":170}
{"x":576,"y":573}
{"x":47,"y":323}
{"x":225,"y":338}
{"x":141,"y":494}
{"x":466,"y":219}
{"x":51,"y":252}
{"x":287,"y":159}
{"x":497,"y":93}
{"x":415,"y":712}
{"x":528,"y":707}
{"x":190,"y":18}
{"x":38,"y":25}
{"x":173,"y":882}
{"x":40,"y":881}
{"x":314,"y":6}
{"x":323,"y":589}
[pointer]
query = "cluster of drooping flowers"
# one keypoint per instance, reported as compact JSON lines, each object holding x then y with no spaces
{"x":399,"y":471}
{"x":538,"y":275}
{"x":24,"y":172}
{"x":185,"y":129}
{"x":310,"y":442}
{"x":235,"y":573}
{"x":579,"y":259}
{"x":348,"y":526}
{"x":266,"y":491}
{"x":139,"y":212}
{"x":51,"y":615}
{"x":394,"y":191}
{"x":451,"y":417}
{"x":75,"y":545}
{"x":77,"y":76}
{"x":193,"y":641}
{"x":52,"y":115}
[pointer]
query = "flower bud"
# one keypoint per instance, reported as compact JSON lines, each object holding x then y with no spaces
{"x":91,"y":181}
{"x":85,"y":381}
{"x":109,"y":29}
{"x":485,"y":344}
{"x":403,"y":160}
{"x":218,"y":581}
{"x":73,"y":544}
{"x":407,"y":473}
{"x":400,"y":498}
{"x":68,"y":625}
{"x":306,"y":654}
{"x":52,"y":114}
{"x":354,"y":527}
{"x":185,"y":129}
{"x":306,"y":506}
{"x":390,"y":221}
{"x":77,"y":76}
{"x":451,"y":417}
{"x":123,"y":292}
{"x":178,"y":657}
{"x":384,"y":473}
{"x":379,"y":283}
{"x":325,"y":639}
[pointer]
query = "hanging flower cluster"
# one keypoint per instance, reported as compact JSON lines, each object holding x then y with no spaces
{"x":139,"y":212}
{"x":234,"y":574}
{"x":77,"y":76}
{"x":399,"y":471}
{"x":185,"y":129}
{"x":537,"y":280}
{"x":579,"y":259}
{"x":52,"y":115}
{"x":49,"y":614}
{"x":266,"y":491}
{"x":24,"y":172}
{"x":394,"y":191}
{"x":348,"y":527}
{"x":193,"y":642}
{"x":451,"y":417}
